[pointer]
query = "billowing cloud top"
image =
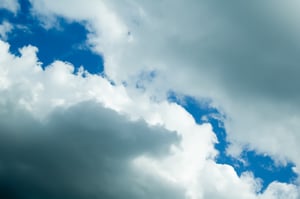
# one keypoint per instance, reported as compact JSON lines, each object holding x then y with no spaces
{"x":68,"y":133}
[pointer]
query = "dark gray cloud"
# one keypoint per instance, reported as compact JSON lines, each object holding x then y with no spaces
{"x":80,"y":152}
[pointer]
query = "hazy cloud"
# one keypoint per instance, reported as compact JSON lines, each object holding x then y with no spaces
{"x":11,"y":5}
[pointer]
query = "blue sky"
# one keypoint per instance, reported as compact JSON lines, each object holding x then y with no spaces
{"x":262,"y":165}
{"x":198,"y":86}
{"x":65,"y":42}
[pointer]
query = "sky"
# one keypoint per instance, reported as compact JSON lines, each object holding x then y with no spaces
{"x":149,"y":99}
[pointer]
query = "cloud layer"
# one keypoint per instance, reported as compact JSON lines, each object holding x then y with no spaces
{"x":77,"y":135}
{"x":243,"y":56}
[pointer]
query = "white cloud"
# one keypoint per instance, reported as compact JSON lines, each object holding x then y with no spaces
{"x":61,"y":121}
{"x":242,"y":56}
{"x":199,"y":48}
{"x":5,"y":28}
{"x":11,"y":5}
{"x":46,"y":95}
{"x":280,"y":190}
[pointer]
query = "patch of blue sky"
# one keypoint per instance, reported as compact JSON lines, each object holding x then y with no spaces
{"x":65,"y":42}
{"x":262,"y":166}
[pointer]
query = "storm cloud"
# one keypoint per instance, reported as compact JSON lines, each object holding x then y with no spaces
{"x":84,"y":151}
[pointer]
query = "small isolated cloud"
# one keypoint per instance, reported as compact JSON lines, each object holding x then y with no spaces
{"x":5,"y":28}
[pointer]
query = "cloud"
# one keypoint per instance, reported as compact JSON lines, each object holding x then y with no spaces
{"x":243,"y":56}
{"x":83,"y":151}
{"x":11,"y":5}
{"x":206,"y":52}
{"x":58,"y":140}
{"x":5,"y":28}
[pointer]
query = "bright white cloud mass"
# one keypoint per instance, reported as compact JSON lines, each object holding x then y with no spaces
{"x":68,"y":133}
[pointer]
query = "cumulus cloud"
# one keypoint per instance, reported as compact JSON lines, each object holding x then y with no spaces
{"x":200,"y":48}
{"x":241,"y":55}
{"x":55,"y":118}
{"x":58,"y":140}
{"x":76,"y":151}
{"x":84,"y":151}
